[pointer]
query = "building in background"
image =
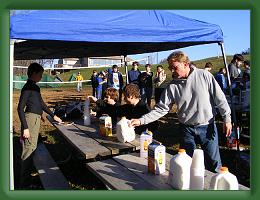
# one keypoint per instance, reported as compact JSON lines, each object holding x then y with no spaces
{"x":94,"y":61}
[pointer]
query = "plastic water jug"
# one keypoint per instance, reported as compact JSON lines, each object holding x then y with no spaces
{"x":179,"y":174}
{"x":197,"y":170}
{"x":124,"y":133}
{"x":156,"y":158}
{"x":224,"y":180}
{"x":145,"y":139}
{"x":86,"y":115}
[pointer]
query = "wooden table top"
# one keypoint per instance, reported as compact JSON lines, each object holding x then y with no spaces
{"x":89,"y":143}
{"x":129,"y":172}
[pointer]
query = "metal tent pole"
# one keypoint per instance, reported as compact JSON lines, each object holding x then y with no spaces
{"x":11,"y":114}
{"x":126,"y":70}
{"x":233,"y":112}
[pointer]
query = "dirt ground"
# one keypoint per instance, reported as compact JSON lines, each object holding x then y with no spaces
{"x":73,"y":166}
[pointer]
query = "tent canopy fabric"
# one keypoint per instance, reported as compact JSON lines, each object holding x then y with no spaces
{"x":81,"y":33}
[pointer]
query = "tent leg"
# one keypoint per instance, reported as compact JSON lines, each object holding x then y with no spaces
{"x":126,"y":70}
{"x":11,"y":114}
{"x":233,"y":111}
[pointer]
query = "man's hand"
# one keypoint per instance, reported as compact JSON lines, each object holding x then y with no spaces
{"x":134,"y":122}
{"x":57,"y":119}
{"x":26,"y":133}
{"x":227,"y":127}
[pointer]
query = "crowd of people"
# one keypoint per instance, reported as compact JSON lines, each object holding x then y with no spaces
{"x":197,"y":94}
{"x":148,"y":83}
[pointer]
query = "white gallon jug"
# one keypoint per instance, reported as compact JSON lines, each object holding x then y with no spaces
{"x":179,"y":174}
{"x":224,"y":180}
{"x":86,"y":115}
{"x":145,"y":139}
{"x":124,"y":133}
{"x":197,"y":170}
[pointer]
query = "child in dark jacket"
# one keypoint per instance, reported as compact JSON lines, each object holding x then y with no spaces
{"x":94,"y":83}
{"x":115,"y":80}
{"x":135,"y":108}
{"x":30,"y":109}
{"x":108,"y":105}
{"x":134,"y":73}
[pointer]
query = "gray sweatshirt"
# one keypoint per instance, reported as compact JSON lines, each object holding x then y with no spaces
{"x":196,"y":98}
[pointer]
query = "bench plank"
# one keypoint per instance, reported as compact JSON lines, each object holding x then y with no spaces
{"x":50,"y":174}
{"x":115,"y":176}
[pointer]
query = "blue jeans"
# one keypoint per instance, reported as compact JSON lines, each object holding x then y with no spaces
{"x":207,"y":137}
{"x":98,"y":93}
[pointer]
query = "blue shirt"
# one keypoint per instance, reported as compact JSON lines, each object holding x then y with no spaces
{"x":133,"y":76}
{"x":220,"y":78}
{"x":99,"y":80}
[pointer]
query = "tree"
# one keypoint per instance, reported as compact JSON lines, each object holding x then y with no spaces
{"x":246,"y":52}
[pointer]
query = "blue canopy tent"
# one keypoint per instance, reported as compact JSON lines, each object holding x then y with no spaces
{"x":79,"y":33}
{"x":68,"y":33}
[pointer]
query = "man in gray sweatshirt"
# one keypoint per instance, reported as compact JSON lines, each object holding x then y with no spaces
{"x":196,"y":94}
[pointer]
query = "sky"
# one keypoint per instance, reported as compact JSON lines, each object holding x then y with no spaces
{"x":235,"y":25}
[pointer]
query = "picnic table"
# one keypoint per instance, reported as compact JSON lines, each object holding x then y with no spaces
{"x":90,"y":144}
{"x":129,"y":172}
{"x":119,"y":167}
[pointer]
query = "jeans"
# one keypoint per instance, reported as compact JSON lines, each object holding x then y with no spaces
{"x":99,"y":93}
{"x":79,"y":86}
{"x":207,"y":137}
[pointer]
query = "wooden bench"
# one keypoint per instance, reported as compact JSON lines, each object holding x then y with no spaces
{"x":129,"y":172}
{"x":50,"y":174}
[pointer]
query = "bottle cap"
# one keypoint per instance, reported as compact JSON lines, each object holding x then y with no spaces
{"x":223,"y":169}
{"x":182,"y":151}
{"x":150,"y":132}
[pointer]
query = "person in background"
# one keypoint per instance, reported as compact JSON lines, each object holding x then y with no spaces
{"x":104,"y":83}
{"x":100,"y":81}
{"x":135,"y":107}
{"x":94,"y":83}
{"x":208,"y":66}
{"x":196,"y":94}
{"x":221,"y":79}
{"x":79,"y":78}
{"x":115,"y":80}
{"x":109,"y":70}
{"x":246,"y":67}
{"x":246,"y":75}
{"x":30,"y":109}
{"x":134,"y":73}
{"x":234,"y":70}
{"x":146,"y":85}
{"x":107,"y":106}
{"x":160,"y":77}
